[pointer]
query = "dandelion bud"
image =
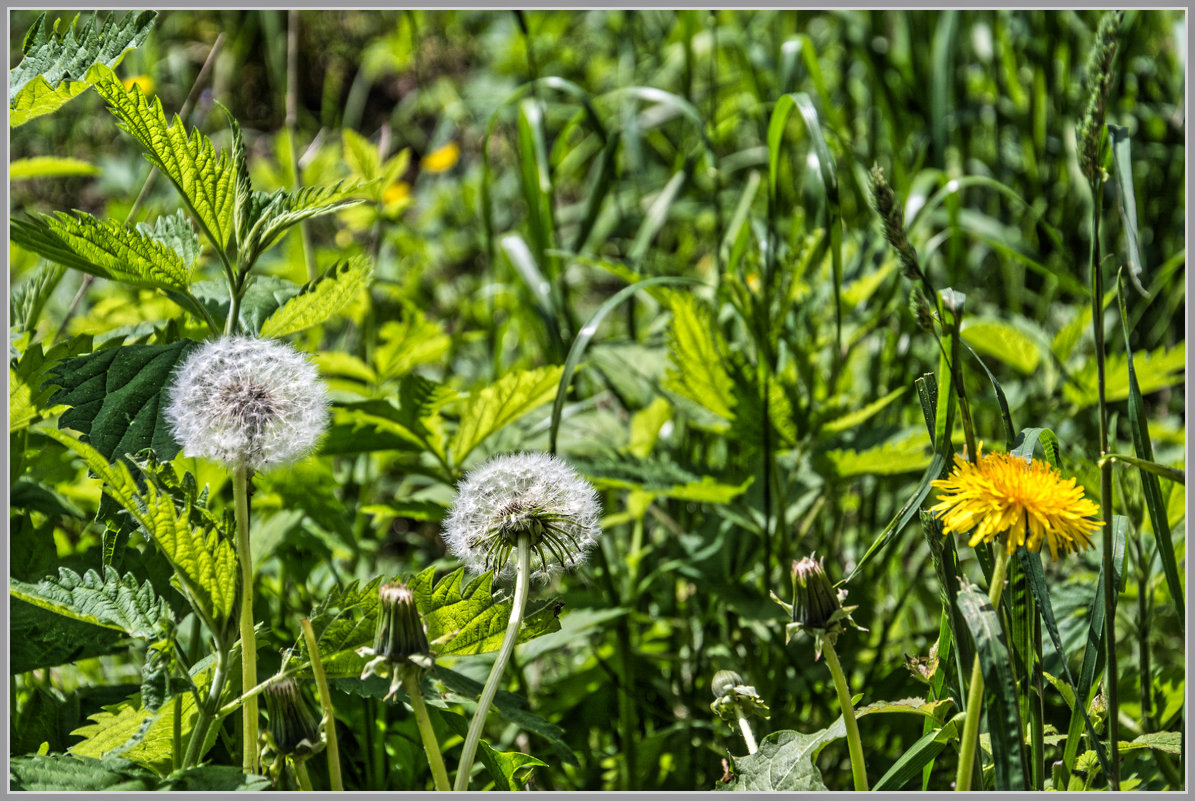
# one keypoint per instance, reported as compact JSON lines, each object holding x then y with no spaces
{"x":400,"y":639}
{"x":293,"y":730}
{"x":249,"y":403}
{"x":816,"y":608}
{"x":724,"y":682}
{"x":535,"y":494}
{"x":734,"y":700}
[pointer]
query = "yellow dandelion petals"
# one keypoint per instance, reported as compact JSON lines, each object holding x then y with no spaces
{"x":442,"y":158}
{"x":1029,"y":502}
{"x":396,"y":193}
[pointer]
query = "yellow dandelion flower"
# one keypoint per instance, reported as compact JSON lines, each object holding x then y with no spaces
{"x":1028,"y":502}
{"x":441,"y":159}
{"x":397,"y":192}
{"x":143,"y":82}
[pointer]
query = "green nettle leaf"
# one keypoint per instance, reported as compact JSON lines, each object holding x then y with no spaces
{"x":860,"y":416}
{"x":785,"y":762}
{"x":501,"y":403}
{"x":50,"y":167}
{"x":203,"y":176}
{"x":116,"y":395}
{"x":470,"y":620}
{"x":509,"y":769}
{"x":906,"y":455}
{"x":48,"y":638}
{"x":103,"y":248}
{"x":67,"y":773}
{"x":55,"y":63}
{"x":321,"y":299}
{"x":1156,"y":369}
{"x":379,"y":425}
{"x":176,"y":232}
{"x":110,"y":601}
{"x":264,"y":295}
{"x":29,"y":390}
{"x":1004,"y":341}
{"x":698,"y":355}
{"x":273,"y":213}
{"x":405,"y":344}
{"x":345,"y":620}
{"x":664,"y":479}
{"x":204,"y":561}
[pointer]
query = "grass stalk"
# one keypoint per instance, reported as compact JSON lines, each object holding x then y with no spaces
{"x":325,"y":702}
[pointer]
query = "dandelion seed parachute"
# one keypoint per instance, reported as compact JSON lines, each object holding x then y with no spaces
{"x":247,"y":402}
{"x":524,"y":492}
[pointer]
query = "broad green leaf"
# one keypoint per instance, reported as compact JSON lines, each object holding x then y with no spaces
{"x":405,"y":344}
{"x":110,"y":601}
{"x":501,"y":403}
{"x":204,"y":561}
{"x":646,"y":425}
{"x":55,"y":63}
{"x":379,"y":424}
{"x":1004,"y":720}
{"x":664,"y":479}
{"x":264,"y":295}
{"x":470,"y":620}
{"x":49,"y":167}
{"x":29,"y":387}
{"x":116,"y":397}
{"x":1167,"y":742}
{"x":103,"y":248}
{"x":896,"y":456}
{"x":321,"y":299}
{"x":785,"y":762}
{"x":1004,"y":341}
{"x":273,"y":213}
{"x":360,"y":155}
{"x":30,"y":494}
{"x":509,"y":769}
{"x":175,"y":231}
{"x":907,"y":706}
{"x":1154,"y":370}
{"x":214,"y":779}
{"x":860,"y":416}
{"x":204,"y":177}
{"x":59,"y":773}
{"x":48,"y":639}
{"x":345,"y":620}
{"x":698,"y":354}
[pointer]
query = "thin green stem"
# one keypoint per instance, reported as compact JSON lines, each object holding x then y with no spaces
{"x":325,"y":701}
{"x":240,"y":491}
{"x":176,"y":753}
{"x":748,"y":735}
{"x":301,"y":774}
{"x":292,"y":127}
{"x":410,"y":684}
{"x":517,"y":607}
{"x":854,"y":743}
{"x":970,"y":737}
{"x":207,"y":710}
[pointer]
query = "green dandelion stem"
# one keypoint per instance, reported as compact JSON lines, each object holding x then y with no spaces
{"x":970,"y":737}
{"x":518,"y":605}
{"x":240,"y":492}
{"x":854,"y":743}
{"x":301,"y":774}
{"x":410,"y":683}
{"x":325,"y":701}
{"x":748,"y":735}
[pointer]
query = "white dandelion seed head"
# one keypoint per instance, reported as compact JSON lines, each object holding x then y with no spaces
{"x":519,"y":492}
{"x":253,"y":403}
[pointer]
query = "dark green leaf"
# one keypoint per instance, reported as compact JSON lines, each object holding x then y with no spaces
{"x":48,"y":639}
{"x":508,"y":769}
{"x":67,"y":773}
{"x":785,"y":762}
{"x":111,"y":601}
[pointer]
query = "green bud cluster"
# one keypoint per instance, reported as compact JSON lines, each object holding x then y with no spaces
{"x":293,"y":730}
{"x":893,"y":218}
{"x":1099,"y":76}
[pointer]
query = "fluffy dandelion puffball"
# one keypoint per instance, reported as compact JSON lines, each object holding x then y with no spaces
{"x":1027,"y":502}
{"x":533,"y":493}
{"x":250,"y":403}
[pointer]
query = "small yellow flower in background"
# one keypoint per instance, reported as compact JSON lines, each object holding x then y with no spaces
{"x":145,"y":82}
{"x":442,"y":158}
{"x":1030,"y":502}
{"x":396,"y":193}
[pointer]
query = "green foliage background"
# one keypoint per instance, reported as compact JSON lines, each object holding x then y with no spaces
{"x":756,"y":406}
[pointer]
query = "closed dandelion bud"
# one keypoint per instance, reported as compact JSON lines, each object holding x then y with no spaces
{"x":816,"y":608}
{"x":734,"y":700}
{"x":249,"y":403}
{"x":524,"y":493}
{"x":293,"y":730}
{"x":400,"y":641}
{"x":724,"y":682}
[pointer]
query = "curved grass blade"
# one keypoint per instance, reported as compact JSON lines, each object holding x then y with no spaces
{"x":919,"y":754}
{"x":1004,"y":718}
{"x":1127,"y":205}
{"x":956,"y":185}
{"x":1139,"y":428}
{"x":1001,"y":400}
{"x":586,"y":333}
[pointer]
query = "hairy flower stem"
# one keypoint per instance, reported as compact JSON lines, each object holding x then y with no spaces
{"x":240,"y":492}
{"x":970,"y":738}
{"x":1097,"y":330}
{"x":748,"y":735}
{"x":517,"y":607}
{"x":325,"y":702}
{"x":854,"y":743}
{"x":410,"y":684}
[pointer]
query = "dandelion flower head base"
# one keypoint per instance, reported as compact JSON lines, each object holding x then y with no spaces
{"x":246,"y":402}
{"x":532,"y":494}
{"x":1026,"y":503}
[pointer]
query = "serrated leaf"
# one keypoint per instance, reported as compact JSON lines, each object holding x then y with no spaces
{"x":103,"y":248}
{"x":55,"y":63}
{"x":175,"y":232}
{"x":1156,"y":369}
{"x":116,"y":397}
{"x":1004,"y":341}
{"x":321,"y":299}
{"x":204,"y":177}
{"x":896,"y":456}
{"x":860,"y":416}
{"x":405,"y":344}
{"x":469,"y":619}
{"x":1168,"y":742}
{"x":509,"y":769}
{"x":360,"y":155}
{"x":204,"y":562}
{"x":110,"y":601}
{"x":214,"y":779}
{"x":50,"y":167}
{"x":785,"y":762}
{"x":379,"y":424}
{"x":264,"y":295}
{"x":48,"y":639}
{"x":273,"y":213}
{"x":501,"y":403}
{"x":69,"y":773}
{"x":698,"y":356}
